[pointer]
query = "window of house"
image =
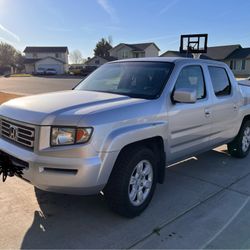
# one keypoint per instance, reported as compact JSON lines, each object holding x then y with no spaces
{"x":125,"y":54}
{"x":234,"y":65}
{"x":243,"y":64}
{"x":57,"y":55}
{"x":220,"y":81}
{"x":192,"y":77}
{"x":231,"y":64}
{"x":34,"y":55}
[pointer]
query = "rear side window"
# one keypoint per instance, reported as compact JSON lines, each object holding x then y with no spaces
{"x":220,"y":81}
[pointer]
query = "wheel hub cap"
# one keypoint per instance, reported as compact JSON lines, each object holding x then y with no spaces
{"x":246,"y":140}
{"x":140,"y":182}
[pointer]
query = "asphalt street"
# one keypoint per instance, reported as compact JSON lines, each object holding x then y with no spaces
{"x":37,"y":85}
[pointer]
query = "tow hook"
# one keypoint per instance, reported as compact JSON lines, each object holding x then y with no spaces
{"x":7,"y":169}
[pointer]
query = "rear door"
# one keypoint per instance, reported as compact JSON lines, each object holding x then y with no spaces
{"x":189,"y":123}
{"x":224,"y":111}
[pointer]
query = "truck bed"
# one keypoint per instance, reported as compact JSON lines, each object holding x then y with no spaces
{"x":245,"y":89}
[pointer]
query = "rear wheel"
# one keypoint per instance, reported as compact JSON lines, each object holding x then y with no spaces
{"x":132,"y":182}
{"x":240,"y":146}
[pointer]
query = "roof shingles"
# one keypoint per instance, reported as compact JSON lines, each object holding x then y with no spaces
{"x":34,"y":60}
{"x":221,"y":52}
{"x":216,"y":53}
{"x":242,"y":53}
{"x":46,"y":49}
{"x":137,"y":46}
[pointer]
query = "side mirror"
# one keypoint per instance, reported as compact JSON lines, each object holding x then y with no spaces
{"x":185,"y":95}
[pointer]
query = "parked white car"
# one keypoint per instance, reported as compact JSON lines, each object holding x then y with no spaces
{"x":50,"y":72}
{"x":40,"y":71}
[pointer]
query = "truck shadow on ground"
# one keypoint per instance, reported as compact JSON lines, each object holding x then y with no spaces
{"x":66,"y":221}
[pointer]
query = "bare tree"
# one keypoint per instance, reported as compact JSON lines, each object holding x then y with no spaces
{"x":76,"y":57}
{"x":10,"y":57}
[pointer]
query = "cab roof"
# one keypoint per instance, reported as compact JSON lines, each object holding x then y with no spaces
{"x":171,"y":60}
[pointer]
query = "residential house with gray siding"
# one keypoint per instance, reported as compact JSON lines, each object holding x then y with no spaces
{"x":236,"y":57}
{"x":125,"y":50}
{"x":43,"y":58}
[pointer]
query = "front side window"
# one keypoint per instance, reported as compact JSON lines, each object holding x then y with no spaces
{"x":191,"y":77}
{"x":134,"y":79}
{"x":220,"y":81}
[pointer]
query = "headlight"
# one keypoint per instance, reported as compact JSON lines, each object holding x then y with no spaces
{"x":69,"y":136}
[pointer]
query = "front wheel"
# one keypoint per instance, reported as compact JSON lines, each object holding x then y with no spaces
{"x":132,"y":182}
{"x":240,"y":146}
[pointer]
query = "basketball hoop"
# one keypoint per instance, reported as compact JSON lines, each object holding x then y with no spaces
{"x":197,"y":55}
{"x":195,"y":44}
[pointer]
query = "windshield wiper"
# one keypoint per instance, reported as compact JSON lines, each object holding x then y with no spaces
{"x":123,"y":94}
{"x":131,"y":95}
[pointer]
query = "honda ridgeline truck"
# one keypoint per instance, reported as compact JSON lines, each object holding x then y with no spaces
{"x":120,"y":127}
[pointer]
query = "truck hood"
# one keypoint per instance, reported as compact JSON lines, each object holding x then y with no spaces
{"x":61,"y":108}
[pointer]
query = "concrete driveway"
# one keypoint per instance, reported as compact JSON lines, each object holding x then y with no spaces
{"x":37,"y":85}
{"x":204,"y":203}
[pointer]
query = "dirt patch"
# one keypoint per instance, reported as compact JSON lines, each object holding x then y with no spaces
{"x":4,"y":97}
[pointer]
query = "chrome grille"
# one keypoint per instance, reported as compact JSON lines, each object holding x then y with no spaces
{"x":20,"y":134}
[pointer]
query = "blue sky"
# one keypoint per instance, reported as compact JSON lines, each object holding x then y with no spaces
{"x":79,"y":24}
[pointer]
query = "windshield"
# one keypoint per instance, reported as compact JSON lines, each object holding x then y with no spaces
{"x":134,"y":79}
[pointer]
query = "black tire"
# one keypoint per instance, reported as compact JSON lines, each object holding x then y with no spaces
{"x":117,"y":189}
{"x":235,"y":148}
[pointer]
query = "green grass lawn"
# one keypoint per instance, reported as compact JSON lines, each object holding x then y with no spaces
{"x":20,"y":75}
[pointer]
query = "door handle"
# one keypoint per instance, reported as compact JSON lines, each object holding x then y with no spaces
{"x":207,"y":113}
{"x":235,"y":107}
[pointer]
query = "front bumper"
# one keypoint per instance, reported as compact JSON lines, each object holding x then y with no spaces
{"x":70,"y":175}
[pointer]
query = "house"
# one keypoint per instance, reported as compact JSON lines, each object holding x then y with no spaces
{"x":124,"y":50}
{"x":239,"y":62}
{"x":236,"y":57}
{"x":7,"y":70}
{"x":219,"y":53}
{"x":173,"y":53}
{"x":97,"y":61}
{"x":42,"y":58}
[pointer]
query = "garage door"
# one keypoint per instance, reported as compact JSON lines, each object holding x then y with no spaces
{"x":57,"y":67}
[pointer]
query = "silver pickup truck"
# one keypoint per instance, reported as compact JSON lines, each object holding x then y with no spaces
{"x":120,"y":127}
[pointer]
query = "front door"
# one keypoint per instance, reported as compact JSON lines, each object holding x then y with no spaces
{"x":189,"y":123}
